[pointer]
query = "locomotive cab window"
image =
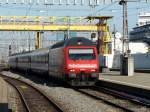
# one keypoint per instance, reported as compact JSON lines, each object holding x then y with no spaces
{"x":81,"y":54}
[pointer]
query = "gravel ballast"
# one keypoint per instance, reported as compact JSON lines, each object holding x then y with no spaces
{"x":69,"y":99}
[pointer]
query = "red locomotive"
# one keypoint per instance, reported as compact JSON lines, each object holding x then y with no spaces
{"x":74,"y":60}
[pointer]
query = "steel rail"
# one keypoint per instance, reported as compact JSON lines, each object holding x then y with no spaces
{"x":51,"y":101}
{"x":104,"y":100}
{"x":125,"y":96}
{"x":21,"y":96}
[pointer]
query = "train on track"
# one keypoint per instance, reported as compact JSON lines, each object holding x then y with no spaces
{"x":74,"y":60}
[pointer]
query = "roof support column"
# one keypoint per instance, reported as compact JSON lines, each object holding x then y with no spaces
{"x":39,"y":36}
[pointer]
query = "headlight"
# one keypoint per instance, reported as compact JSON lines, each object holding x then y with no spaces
{"x":71,"y":70}
{"x":93,"y":70}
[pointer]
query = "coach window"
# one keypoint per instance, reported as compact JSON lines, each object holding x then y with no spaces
{"x":46,"y":59}
{"x":41,"y":59}
{"x":32,"y":59}
{"x":35,"y":59}
{"x":38,"y":59}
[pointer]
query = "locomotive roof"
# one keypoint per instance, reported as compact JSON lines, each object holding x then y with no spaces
{"x":74,"y":41}
{"x":26,"y":53}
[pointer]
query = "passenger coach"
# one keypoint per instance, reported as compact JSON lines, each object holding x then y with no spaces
{"x":74,"y":60}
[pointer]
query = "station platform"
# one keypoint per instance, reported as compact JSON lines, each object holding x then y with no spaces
{"x":139,"y":80}
{"x":3,"y":91}
{"x":9,"y":98}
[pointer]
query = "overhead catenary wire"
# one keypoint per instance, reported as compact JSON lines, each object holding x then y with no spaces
{"x":28,"y":9}
{"x":31,"y":8}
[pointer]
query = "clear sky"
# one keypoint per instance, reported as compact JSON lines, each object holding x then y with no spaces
{"x":113,"y":9}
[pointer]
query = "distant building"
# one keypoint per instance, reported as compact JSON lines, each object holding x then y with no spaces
{"x":139,"y":45}
{"x":141,"y":33}
{"x":143,"y":19}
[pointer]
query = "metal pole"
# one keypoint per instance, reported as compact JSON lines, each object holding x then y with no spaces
{"x":39,"y":37}
{"x":123,"y":61}
{"x":114,"y":38}
{"x":127,"y":61}
{"x":68,"y":29}
{"x":125,"y":44}
{"x":126,"y":31}
{"x":29,"y":43}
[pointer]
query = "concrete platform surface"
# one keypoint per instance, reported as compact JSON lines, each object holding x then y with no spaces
{"x":9,"y":95}
{"x":140,"y":80}
{"x":3,"y":91}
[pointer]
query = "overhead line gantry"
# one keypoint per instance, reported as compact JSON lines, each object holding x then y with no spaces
{"x":40,"y":24}
{"x":47,"y":23}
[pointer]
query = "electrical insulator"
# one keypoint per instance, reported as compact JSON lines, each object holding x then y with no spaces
{"x":75,"y":2}
{"x":22,"y":2}
{"x":14,"y":2}
{"x":7,"y":1}
{"x":90,"y":2}
{"x":97,"y":2}
{"x":68,"y":3}
{"x":38,"y":2}
{"x":82,"y":2}
{"x":60,"y":2}
{"x":30,"y":2}
{"x":45,"y":2}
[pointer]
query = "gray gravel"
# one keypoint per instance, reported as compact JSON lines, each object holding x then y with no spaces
{"x":14,"y":100}
{"x":70,"y":100}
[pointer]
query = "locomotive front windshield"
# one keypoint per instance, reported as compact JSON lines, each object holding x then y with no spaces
{"x":81,"y":54}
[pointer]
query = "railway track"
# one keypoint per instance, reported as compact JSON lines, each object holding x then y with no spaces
{"x":118,"y":100}
{"x":136,"y":70}
{"x":126,"y":96}
{"x":33,"y":99}
{"x":115,"y":99}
